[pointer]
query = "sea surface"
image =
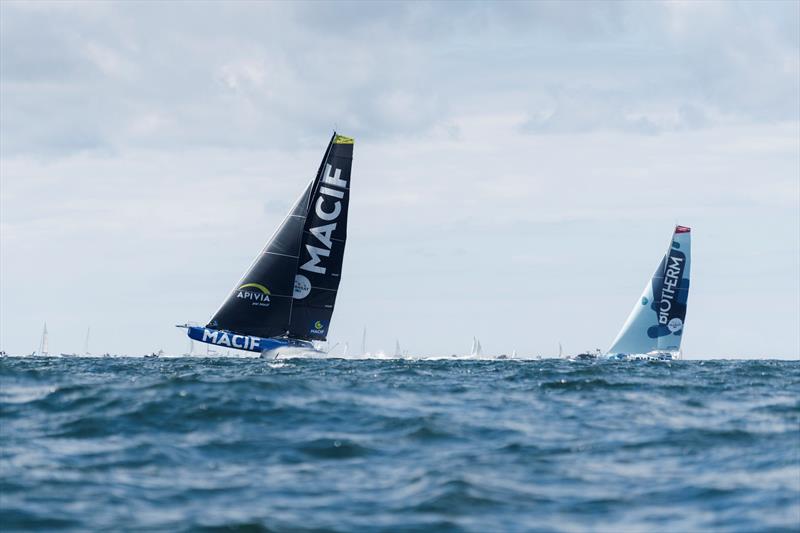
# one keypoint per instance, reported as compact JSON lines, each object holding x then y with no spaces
{"x":201,"y":444}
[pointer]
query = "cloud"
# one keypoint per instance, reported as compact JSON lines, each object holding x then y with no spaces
{"x":511,"y":159}
{"x":83,"y":78}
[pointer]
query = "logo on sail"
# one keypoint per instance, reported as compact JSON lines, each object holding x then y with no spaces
{"x":318,"y":328}
{"x":259,"y":297}
{"x":302,"y":287}
{"x":327,"y":208}
{"x":673,"y":273}
{"x":675,"y":325}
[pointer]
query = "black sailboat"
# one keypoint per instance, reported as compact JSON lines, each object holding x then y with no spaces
{"x":286,"y":298}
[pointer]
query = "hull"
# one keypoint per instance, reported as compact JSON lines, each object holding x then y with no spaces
{"x":650,"y":356}
{"x":267,"y":347}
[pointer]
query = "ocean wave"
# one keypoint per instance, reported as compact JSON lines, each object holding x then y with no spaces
{"x":403,"y":445}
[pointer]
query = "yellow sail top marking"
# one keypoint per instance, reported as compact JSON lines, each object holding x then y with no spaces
{"x":257,"y":286}
{"x":341,"y":139}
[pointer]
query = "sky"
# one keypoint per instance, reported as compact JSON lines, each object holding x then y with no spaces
{"x":518,"y":167}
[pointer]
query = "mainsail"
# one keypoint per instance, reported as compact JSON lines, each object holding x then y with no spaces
{"x":322,"y":248}
{"x":657,"y":319}
{"x":290,"y":288}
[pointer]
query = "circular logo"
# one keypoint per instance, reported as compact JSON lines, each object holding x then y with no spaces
{"x":302,"y":287}
{"x":676,"y":324}
{"x":318,"y":324}
{"x":644,"y":300}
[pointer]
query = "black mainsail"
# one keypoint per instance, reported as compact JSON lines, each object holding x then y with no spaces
{"x":322,"y":249}
{"x":290,"y":288}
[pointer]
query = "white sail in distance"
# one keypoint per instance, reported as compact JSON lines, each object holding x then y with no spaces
{"x":43,"y":349}
{"x":657,"y":320}
{"x":364,"y":342}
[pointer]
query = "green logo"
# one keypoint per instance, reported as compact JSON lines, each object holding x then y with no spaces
{"x":258,"y":286}
{"x":318,"y":324}
{"x":259,"y":297}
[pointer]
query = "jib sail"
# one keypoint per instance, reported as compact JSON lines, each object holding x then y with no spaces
{"x":657,"y":319}
{"x":319,"y":268}
{"x":261,"y":301}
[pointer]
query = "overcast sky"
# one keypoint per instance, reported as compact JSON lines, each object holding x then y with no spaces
{"x":518,"y":167}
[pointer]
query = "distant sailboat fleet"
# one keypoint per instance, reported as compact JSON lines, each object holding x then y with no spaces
{"x":284,"y":302}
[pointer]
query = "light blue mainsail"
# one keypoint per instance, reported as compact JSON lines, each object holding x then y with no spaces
{"x":657,"y":319}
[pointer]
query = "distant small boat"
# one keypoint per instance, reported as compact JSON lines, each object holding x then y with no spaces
{"x":86,"y":343}
{"x":587,"y":355}
{"x":85,"y":348}
{"x":43,"y":349}
{"x":654,"y":328}
{"x":476,"y":347}
{"x":364,"y":341}
{"x":397,"y":351}
{"x":285,"y":300}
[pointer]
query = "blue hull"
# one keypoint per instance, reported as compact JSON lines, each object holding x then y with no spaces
{"x":243,"y":342}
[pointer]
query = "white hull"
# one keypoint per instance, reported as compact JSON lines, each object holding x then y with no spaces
{"x":650,"y":356}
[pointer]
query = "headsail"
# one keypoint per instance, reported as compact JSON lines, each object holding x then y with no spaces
{"x":657,"y":319}
{"x":290,"y":288}
{"x":322,"y":248}
{"x":260,"y":303}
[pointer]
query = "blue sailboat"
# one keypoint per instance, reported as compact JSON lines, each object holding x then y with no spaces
{"x":655,"y":326}
{"x":284,"y":301}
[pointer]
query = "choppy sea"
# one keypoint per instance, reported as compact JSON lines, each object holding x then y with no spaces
{"x":131,"y":444}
